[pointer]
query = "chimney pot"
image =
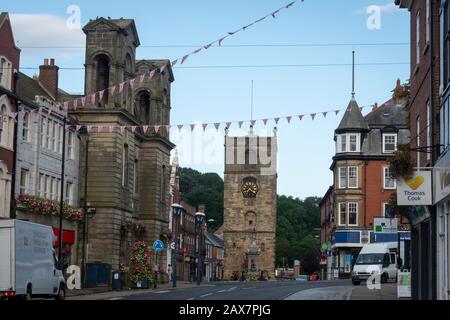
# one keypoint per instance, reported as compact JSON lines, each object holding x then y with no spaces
{"x":46,"y":62}
{"x":52,"y":61}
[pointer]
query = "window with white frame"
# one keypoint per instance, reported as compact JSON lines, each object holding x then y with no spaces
{"x":70,"y":152}
{"x":44,"y":132}
{"x":24,"y":181}
{"x":41,"y":191}
{"x":352,"y":213}
{"x":342,"y":213}
{"x":2,"y":70}
{"x":26,"y":127}
{"x":353,"y":177}
{"x":53,"y":189}
{"x":55,"y":136}
{"x":51,"y":135}
{"x":48,"y":133}
{"x":388,"y":181}
{"x":3,"y":124}
{"x":58,"y":189}
{"x":5,"y":73}
{"x":418,"y":37}
{"x":61,"y":137}
{"x":69,"y":193}
{"x":342,"y":177}
{"x":350,"y":142}
{"x":48,"y":187}
{"x":389,"y":142}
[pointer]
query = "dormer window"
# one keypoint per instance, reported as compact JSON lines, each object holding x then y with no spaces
{"x":349,"y":142}
{"x":389,"y":143}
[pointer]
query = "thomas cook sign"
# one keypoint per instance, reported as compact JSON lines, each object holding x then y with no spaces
{"x":415,"y":191}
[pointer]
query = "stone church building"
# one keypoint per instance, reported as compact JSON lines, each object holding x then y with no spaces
{"x":128,"y":173}
{"x":250,"y":205}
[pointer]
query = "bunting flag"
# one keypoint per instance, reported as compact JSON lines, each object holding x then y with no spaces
{"x":204,"y":126}
{"x":132,"y":83}
{"x":141,"y":78}
{"x":276,"y":120}
{"x":157,"y":129}
{"x":49,"y":111}
{"x":337,"y":112}
{"x":100,"y":95}
{"x":192,"y":127}
{"x":265,"y":121}
{"x":197,"y":51}
{"x":275,"y":12}
{"x":14,"y":116}
{"x":313,"y":115}
{"x":89,"y":129}
{"x":133,"y":129}
{"x":75,"y":104}
{"x":99,"y":129}
{"x":240,"y":124}
{"x":184,"y":58}
{"x":113,"y":89}
{"x":122,"y":129}
{"x":121,"y":85}
{"x":180,"y":126}
{"x":66,"y":107}
{"x":151,"y":74}
{"x":67,"y":127}
{"x":111,"y":129}
{"x":253,"y":122}
{"x":77,"y":127}
{"x":174,"y":62}
{"x":208,"y":46}
{"x":163,"y":68}
{"x":221,"y":39}
{"x":324,"y":114}
{"x":228,"y":125}
{"x":167,"y":129}
{"x":290,"y":4}
{"x":289,"y":118}
{"x":83,"y":101}
{"x":217,"y":125}
{"x":93,"y":99}
{"x":145,"y":129}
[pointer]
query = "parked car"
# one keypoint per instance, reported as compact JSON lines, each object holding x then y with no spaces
{"x":302,"y":277}
{"x":314,"y":277}
{"x":376,"y":259}
{"x":28,"y":265}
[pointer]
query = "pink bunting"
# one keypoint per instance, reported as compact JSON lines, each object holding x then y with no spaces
{"x":324,"y":114}
{"x":180,"y":126}
{"x":49,"y":110}
{"x":174,"y":62}
{"x":204,"y":126}
{"x":111,"y":129}
{"x":145,"y":128}
{"x":75,"y":104}
{"x":152,"y":74}
{"x":93,"y":99}
{"x":122,"y":129}
{"x":167,"y":129}
{"x":289,"y":119}
{"x":113,"y":89}
{"x":77,"y":127}
{"x":240,"y":124}
{"x":197,"y":51}
{"x":157,"y":129}
{"x":192,"y":127}
{"x":121,"y":85}
{"x":228,"y":125}
{"x":83,"y":101}
{"x":163,"y":68}
{"x":132,"y":83}
{"x":276,"y":120}
{"x":141,"y":78}
{"x":337,"y":112}
{"x":184,"y":58}
{"x":133,"y":129}
{"x":89,"y":128}
{"x":99,"y":129}
{"x":265,"y":121}
{"x":217,"y":125}
{"x":100,"y":95}
{"x":300,"y":117}
{"x":313,"y":115}
{"x":208,"y":46}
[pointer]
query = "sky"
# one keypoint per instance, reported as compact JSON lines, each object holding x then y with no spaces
{"x":308,"y":82}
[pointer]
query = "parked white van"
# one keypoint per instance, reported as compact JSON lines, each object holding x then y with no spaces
{"x":28,"y":266}
{"x":376,"y":258}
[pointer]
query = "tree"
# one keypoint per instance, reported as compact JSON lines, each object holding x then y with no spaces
{"x":310,"y":261}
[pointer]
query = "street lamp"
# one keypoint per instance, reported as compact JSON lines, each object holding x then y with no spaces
{"x":61,"y":204}
{"x":199,"y":219}
{"x":84,"y":135}
{"x":176,"y":213}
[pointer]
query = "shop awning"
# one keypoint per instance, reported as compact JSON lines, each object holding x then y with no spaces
{"x":68,"y":236}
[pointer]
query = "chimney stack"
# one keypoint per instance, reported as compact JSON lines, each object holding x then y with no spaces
{"x":48,"y":77}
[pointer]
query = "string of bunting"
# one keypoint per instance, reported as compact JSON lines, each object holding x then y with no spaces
{"x":217,"y":125}
{"x":119,"y":88}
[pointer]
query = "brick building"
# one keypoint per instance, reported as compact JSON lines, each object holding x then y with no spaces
{"x":425,"y":131}
{"x":362,"y":182}
{"x":9,"y":68}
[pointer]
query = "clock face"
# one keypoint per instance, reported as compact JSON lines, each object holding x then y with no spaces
{"x":249,"y":188}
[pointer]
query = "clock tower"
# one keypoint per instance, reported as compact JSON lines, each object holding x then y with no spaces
{"x":250,"y":204}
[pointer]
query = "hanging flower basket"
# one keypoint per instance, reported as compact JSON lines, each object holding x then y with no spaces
{"x":138,"y":230}
{"x":401,"y":164}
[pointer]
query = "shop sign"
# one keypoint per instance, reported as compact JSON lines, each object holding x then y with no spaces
{"x":415,"y":191}
{"x":385,"y":225}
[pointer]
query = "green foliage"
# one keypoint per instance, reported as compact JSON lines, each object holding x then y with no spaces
{"x":401,"y":164}
{"x":206,"y":188}
{"x":140,"y":266}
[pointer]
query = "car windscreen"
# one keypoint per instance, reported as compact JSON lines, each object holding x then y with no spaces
{"x":370,"y":258}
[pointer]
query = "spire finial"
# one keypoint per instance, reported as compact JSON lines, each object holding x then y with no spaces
{"x":353,"y":73}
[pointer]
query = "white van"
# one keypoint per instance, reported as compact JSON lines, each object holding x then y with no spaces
{"x":28,"y":266}
{"x":376,"y":258}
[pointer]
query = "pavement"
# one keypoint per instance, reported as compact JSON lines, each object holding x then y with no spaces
{"x":388,"y":291}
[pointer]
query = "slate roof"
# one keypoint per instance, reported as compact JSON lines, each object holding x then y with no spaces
{"x":353,"y":119}
{"x":28,"y":88}
{"x":122,"y":23}
{"x":215,"y":240}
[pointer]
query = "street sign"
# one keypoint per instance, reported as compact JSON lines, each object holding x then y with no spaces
{"x":172,"y":246}
{"x":385,"y":225}
{"x":158,"y":245}
{"x":415,"y":191}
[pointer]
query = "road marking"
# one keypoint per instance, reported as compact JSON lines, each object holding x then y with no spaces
{"x":165,"y":291}
{"x":190,"y":299}
{"x":222,"y":291}
{"x":206,"y":295}
{"x":118,"y":298}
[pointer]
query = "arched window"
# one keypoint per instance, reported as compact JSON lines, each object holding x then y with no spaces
{"x":4,"y":125}
{"x":102,"y":76}
{"x":142,"y":107}
{"x":2,"y":71}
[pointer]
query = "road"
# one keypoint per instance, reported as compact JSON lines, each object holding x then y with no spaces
{"x":273,"y":290}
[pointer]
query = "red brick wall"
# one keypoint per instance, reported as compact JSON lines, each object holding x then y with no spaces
{"x":8,"y":48}
{"x":421,"y":77}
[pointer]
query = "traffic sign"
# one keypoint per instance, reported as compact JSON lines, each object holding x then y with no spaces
{"x":158,"y":245}
{"x":172,"y":246}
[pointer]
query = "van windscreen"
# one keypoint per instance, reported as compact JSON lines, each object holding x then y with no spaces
{"x":370,"y":258}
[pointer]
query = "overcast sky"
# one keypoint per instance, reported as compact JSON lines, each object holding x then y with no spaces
{"x":310,"y":84}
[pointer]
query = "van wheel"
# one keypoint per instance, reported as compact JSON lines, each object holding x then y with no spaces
{"x":61,"y":293}
{"x":355,"y":283}
{"x":29,"y":294}
{"x":384,"y":278}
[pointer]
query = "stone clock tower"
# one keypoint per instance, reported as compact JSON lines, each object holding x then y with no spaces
{"x":250,"y":204}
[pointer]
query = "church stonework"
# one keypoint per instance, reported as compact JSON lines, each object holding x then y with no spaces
{"x":128,"y":172}
{"x":250,"y":204}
